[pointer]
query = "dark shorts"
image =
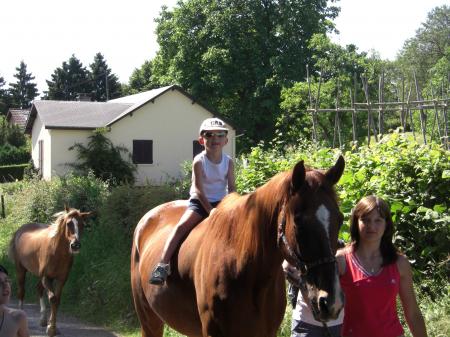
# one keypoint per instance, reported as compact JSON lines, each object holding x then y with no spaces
{"x":196,"y":206}
{"x":302,"y":329}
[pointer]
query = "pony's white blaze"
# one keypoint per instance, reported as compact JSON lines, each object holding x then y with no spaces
{"x":75,"y":228}
{"x":323,"y":215}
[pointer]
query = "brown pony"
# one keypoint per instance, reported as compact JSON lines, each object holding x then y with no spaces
{"x":227,"y":278}
{"x":47,"y":252}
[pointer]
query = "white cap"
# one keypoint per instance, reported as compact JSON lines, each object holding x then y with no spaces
{"x":212,"y":124}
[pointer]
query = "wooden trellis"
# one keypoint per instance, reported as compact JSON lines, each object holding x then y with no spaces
{"x":404,"y":107}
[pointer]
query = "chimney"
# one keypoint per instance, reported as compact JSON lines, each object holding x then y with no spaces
{"x":83,"y":97}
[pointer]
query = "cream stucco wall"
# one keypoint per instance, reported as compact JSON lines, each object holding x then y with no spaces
{"x":172,"y":122}
{"x":61,"y":141}
{"x":40,"y":133}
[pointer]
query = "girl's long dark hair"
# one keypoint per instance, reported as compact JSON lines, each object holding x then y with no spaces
{"x":366,"y":205}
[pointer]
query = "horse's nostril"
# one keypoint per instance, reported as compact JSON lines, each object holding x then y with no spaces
{"x":323,"y":304}
{"x":75,"y":245}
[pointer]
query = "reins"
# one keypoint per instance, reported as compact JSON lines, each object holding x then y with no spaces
{"x":303,"y":266}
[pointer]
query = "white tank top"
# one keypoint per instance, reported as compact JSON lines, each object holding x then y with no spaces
{"x":215,"y":177}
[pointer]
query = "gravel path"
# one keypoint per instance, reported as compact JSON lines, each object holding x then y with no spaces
{"x":67,"y":325}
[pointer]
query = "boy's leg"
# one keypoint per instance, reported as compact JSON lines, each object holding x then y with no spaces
{"x":188,"y":221}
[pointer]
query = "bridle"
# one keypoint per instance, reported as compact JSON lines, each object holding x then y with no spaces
{"x":301,"y":264}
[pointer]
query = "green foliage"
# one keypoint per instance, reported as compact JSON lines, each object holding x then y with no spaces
{"x":103,"y":79}
{"x":237,"y":55}
{"x":141,"y":79}
{"x":68,"y":81}
{"x":104,"y":159}
{"x":12,"y":172}
{"x":127,"y":204}
{"x":413,"y":178}
{"x":24,"y":90}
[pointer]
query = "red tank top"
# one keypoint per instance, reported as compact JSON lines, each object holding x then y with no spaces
{"x":370,"y":300}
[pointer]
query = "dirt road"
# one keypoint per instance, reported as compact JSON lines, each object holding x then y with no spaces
{"x":67,"y":326}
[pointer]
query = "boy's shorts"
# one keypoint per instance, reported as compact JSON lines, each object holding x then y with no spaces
{"x":302,"y":329}
{"x":196,"y":206}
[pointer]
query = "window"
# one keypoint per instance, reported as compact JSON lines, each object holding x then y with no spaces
{"x":197,"y":148}
{"x":143,"y":151}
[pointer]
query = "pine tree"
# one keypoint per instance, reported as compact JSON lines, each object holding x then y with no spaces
{"x":4,"y":97}
{"x":69,"y":81}
{"x":105,"y":84}
{"x":24,"y":91}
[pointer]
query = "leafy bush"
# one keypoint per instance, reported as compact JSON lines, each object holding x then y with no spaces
{"x":10,"y":173}
{"x":104,"y":159}
{"x":14,"y":155}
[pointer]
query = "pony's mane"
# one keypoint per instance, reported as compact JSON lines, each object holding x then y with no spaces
{"x":245,"y":222}
{"x":58,"y":224}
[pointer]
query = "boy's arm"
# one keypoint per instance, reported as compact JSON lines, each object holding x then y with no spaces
{"x":198,"y":185}
{"x":231,"y":177}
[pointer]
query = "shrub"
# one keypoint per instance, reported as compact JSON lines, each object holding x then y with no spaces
{"x":10,"y":173}
{"x":14,"y":155}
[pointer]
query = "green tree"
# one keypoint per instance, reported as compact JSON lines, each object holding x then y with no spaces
{"x":430,"y":44}
{"x":24,"y":91}
{"x":105,"y":84}
{"x":4,"y":97}
{"x":236,"y":55}
{"x":68,"y":81}
{"x":104,"y":159}
{"x":141,"y":79}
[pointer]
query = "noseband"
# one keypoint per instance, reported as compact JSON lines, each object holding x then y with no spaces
{"x":300,"y":263}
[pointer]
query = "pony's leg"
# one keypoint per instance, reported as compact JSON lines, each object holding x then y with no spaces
{"x":54,"y":288}
{"x":41,"y":290}
{"x":21,"y":273}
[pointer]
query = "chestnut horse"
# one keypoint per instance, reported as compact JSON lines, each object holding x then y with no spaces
{"x":47,"y":252}
{"x":227,"y":279}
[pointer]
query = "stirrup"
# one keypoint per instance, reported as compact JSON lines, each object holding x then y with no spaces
{"x":159,"y":274}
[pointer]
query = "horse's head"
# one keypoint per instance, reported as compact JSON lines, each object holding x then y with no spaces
{"x":73,"y":222}
{"x":309,"y":229}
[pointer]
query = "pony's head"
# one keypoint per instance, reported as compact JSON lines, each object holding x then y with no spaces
{"x":309,"y":226}
{"x":70,"y":224}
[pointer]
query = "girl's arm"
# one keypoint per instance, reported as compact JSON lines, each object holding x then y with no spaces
{"x":411,"y":309}
{"x":231,"y":178}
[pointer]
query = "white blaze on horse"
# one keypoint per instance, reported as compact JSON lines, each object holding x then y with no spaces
{"x":227,"y":279}
{"x":47,"y":252}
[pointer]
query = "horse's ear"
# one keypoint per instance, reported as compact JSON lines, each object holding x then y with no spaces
{"x":298,"y":176}
{"x":86,"y":214}
{"x":334,"y":173}
{"x":66,"y":208}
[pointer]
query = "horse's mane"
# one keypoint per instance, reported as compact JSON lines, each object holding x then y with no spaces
{"x":247,"y":222}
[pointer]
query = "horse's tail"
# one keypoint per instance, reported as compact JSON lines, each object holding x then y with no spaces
{"x":12,"y":248}
{"x":151,"y":324}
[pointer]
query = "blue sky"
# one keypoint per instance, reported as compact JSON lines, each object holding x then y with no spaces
{"x":45,"y":33}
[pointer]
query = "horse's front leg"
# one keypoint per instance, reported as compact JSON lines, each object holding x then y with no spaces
{"x":41,"y":290}
{"x":54,"y":288}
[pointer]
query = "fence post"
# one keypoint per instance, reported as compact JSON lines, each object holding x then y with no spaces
{"x":3,"y":207}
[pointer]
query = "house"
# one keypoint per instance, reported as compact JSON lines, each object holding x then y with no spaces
{"x":18,"y":117}
{"x":159,"y":128}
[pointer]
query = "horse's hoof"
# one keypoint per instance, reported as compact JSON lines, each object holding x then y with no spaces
{"x":52,"y":331}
